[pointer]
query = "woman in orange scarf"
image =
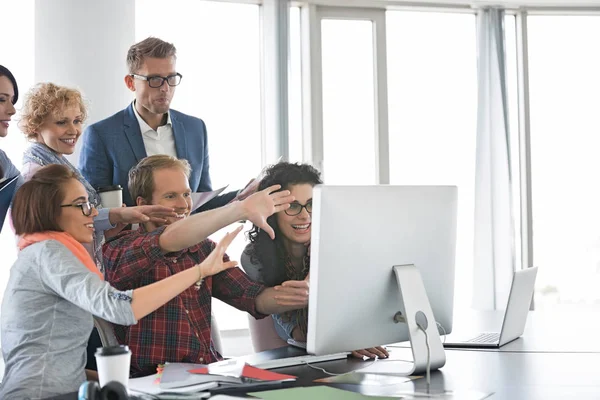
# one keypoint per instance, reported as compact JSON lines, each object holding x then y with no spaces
{"x":55,"y":288}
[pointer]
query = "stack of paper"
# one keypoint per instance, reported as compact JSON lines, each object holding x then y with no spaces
{"x":177,"y":375}
{"x":194,"y":378}
{"x":247,"y":372}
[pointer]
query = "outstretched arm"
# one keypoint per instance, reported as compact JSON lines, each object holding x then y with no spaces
{"x":290,"y":295}
{"x":150,"y":297}
{"x":64,"y":274}
{"x":256,"y":208}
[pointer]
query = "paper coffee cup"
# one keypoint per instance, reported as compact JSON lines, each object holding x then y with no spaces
{"x":113,"y":364}
{"x":111,"y":196}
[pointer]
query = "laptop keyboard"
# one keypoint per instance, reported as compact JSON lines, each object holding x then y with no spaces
{"x":486,"y":338}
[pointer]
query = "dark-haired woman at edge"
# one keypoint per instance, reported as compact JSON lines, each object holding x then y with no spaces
{"x":9,"y":94}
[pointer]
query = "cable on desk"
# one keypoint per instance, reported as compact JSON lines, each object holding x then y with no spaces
{"x":428,"y":372}
{"x":343,"y":373}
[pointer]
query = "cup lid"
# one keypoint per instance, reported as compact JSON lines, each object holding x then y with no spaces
{"x":109,"y":188}
{"x":112,"y":350}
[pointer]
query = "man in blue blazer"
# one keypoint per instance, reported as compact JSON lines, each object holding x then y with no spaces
{"x":111,"y":147}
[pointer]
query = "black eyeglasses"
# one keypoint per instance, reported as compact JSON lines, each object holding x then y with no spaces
{"x":296,"y":208}
{"x":86,"y":208}
{"x":158,"y":81}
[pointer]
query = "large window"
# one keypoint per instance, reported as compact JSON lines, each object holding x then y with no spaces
{"x":564,"y":81}
{"x":295,"y":89}
{"x":218,"y":53}
{"x":17,"y":55}
{"x":512,"y":82}
{"x":432,"y":81}
{"x":348,"y":102}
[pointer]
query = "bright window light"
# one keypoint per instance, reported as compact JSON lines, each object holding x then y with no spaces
{"x":218,"y":53}
{"x":432,"y":89}
{"x":18,"y":57}
{"x":295,"y":89}
{"x":348,"y":102}
{"x":564,"y":81}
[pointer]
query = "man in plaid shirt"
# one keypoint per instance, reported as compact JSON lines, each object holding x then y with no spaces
{"x":180,"y":331}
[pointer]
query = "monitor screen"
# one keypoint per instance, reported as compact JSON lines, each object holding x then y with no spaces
{"x":358,"y":234}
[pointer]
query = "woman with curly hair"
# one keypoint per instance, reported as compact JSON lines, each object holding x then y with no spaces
{"x":287,"y":258}
{"x":52,"y":119}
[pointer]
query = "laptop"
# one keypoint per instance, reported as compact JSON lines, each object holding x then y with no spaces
{"x":515,"y":316}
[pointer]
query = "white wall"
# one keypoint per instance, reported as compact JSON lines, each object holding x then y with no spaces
{"x":83,"y":44}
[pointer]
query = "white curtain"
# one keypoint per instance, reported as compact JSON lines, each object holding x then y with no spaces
{"x":494,"y":258}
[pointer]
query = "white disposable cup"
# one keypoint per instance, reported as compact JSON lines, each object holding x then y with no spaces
{"x":113,"y":364}
{"x":111,"y":196}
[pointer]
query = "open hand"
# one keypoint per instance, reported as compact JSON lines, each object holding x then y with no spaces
{"x":292,"y":294}
{"x":261,"y":205}
{"x":372,"y":352}
{"x":213,"y":264}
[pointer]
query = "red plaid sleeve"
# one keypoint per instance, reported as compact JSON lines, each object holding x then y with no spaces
{"x":129,"y":255}
{"x":233,"y":286}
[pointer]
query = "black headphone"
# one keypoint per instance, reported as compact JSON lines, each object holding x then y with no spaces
{"x":114,"y":390}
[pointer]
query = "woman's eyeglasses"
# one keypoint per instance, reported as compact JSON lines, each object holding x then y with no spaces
{"x":296,"y":208}
{"x":86,"y":208}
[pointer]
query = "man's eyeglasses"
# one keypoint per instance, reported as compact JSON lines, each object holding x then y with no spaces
{"x":296,"y":208}
{"x":158,"y":81}
{"x":86,"y":208}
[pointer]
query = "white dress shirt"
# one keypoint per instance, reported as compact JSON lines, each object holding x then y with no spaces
{"x":160,"y":141}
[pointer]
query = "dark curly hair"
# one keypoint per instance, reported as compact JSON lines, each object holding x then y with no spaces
{"x":272,"y":258}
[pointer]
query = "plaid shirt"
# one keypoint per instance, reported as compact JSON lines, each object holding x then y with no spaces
{"x":179,"y":331}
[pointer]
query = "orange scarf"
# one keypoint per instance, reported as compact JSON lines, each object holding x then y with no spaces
{"x":68,"y":241}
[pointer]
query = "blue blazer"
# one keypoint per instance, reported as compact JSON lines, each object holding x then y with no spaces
{"x":111,"y":147}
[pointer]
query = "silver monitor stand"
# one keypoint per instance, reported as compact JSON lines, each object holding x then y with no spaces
{"x":415,"y":311}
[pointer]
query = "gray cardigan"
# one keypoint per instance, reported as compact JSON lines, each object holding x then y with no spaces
{"x":8,"y":169}
{"x":46,"y":320}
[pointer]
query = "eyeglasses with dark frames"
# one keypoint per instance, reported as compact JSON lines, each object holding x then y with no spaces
{"x":86,"y":208}
{"x":158,"y":81}
{"x":296,"y":208}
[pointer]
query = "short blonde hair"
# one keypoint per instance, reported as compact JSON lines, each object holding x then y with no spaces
{"x":150,"y":47}
{"x":45,"y":100}
{"x":141,"y":177}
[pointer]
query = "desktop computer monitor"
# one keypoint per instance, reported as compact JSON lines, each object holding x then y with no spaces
{"x":358,"y":234}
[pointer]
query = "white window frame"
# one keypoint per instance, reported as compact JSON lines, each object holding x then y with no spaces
{"x":312,"y":83}
{"x":274,"y":22}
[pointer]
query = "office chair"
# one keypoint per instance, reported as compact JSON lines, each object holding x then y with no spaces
{"x":108,"y":338}
{"x":263,"y":334}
